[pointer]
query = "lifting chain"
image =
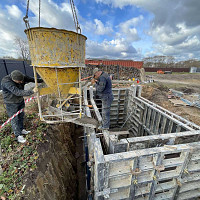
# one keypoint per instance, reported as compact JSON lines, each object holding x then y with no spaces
{"x":39,"y":11}
{"x":77,"y":26}
{"x":26,"y":16}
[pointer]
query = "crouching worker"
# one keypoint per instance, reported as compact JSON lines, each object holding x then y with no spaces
{"x":13,"y":91}
{"x":103,"y":87}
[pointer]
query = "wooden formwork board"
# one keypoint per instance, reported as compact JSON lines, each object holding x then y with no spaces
{"x":156,"y":173}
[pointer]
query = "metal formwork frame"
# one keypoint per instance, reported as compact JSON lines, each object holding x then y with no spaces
{"x":160,"y":166}
{"x":57,"y":115}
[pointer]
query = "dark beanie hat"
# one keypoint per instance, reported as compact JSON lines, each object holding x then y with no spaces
{"x":17,"y":75}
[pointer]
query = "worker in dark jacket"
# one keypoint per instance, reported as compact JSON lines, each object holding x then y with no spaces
{"x":13,"y":91}
{"x":103,"y":87}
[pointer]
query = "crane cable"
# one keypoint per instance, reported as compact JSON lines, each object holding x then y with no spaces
{"x":77,"y":26}
{"x":75,"y":18}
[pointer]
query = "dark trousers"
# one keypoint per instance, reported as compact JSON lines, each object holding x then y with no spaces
{"x":18,"y":121}
{"x":106,"y":103}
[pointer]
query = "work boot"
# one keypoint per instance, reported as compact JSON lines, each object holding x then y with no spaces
{"x":21,"y":139}
{"x":24,"y":132}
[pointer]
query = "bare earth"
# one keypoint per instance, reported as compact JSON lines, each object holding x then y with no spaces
{"x":189,"y":84}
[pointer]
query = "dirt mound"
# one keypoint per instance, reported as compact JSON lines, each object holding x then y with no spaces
{"x":158,"y":94}
{"x":186,"y":90}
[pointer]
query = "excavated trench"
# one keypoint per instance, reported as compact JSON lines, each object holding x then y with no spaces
{"x":60,"y":172}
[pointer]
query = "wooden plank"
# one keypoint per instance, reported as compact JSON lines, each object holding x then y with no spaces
{"x":178,"y":102}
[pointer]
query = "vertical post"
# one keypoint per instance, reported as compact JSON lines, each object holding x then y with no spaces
{"x":118,"y":106}
{"x":154,"y":183}
{"x":170,"y":126}
{"x":38,"y":96}
{"x":80,"y":95}
{"x":139,"y":87}
{"x":4,"y":62}
{"x":118,"y":72}
{"x":1,"y":170}
{"x":162,"y":131}
{"x":134,"y":179}
{"x":157,"y":123}
{"x":24,"y":67}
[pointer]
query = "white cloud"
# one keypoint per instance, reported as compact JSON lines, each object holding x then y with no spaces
{"x":175,"y":27}
{"x":12,"y":25}
{"x":97,"y":28}
{"x":115,"y":49}
{"x":53,"y":15}
{"x":14,"y":11}
{"x":128,"y":29}
{"x":101,"y":29}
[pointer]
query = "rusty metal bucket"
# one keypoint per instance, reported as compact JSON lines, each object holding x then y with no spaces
{"x":57,"y":55}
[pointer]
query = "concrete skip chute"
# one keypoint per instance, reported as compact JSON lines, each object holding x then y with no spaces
{"x":58,"y":56}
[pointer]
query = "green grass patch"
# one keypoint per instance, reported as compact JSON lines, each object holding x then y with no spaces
{"x":19,"y":159}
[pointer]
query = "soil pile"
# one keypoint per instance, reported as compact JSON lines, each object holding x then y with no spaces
{"x":158,"y":93}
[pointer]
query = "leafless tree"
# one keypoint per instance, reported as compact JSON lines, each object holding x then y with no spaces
{"x":23,"y":48}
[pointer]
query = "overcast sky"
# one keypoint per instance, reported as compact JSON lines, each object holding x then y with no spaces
{"x":116,"y":29}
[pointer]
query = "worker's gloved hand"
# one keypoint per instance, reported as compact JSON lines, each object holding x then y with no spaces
{"x":35,"y":90}
{"x":93,"y":81}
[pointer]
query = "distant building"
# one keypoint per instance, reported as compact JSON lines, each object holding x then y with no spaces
{"x":125,"y":63}
{"x":194,"y":69}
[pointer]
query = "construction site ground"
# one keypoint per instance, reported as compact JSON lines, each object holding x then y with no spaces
{"x":158,"y":92}
{"x":22,"y":159}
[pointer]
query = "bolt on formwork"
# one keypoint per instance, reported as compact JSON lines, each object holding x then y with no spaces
{"x":149,"y":153}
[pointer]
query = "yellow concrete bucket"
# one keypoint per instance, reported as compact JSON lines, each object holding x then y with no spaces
{"x":57,"y":55}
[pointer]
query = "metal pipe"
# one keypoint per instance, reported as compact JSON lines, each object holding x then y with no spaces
{"x":38,"y":96}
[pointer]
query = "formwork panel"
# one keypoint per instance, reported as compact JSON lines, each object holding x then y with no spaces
{"x":170,"y":174}
{"x":161,"y":162}
{"x":195,"y":156}
{"x":120,"y":181}
{"x":190,"y":195}
{"x":121,"y":167}
{"x":165,"y":195}
{"x":145,"y":176}
{"x":121,"y":194}
{"x":190,"y":186}
{"x":194,"y":166}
